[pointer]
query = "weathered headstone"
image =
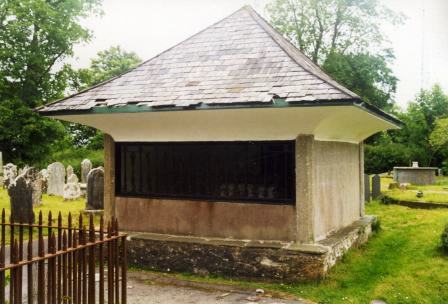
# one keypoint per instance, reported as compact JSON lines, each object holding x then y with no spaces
{"x":366,"y":188}
{"x":376,"y":186}
{"x":72,"y":189}
{"x":56,"y":179}
{"x":95,"y":189}
{"x":21,"y":197}
{"x":69,"y":171}
{"x":86,"y":166}
{"x":35,"y":177}
{"x":44,"y":174}
{"x":9,"y":173}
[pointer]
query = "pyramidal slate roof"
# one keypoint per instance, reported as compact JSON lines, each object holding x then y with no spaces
{"x":239,"y":60}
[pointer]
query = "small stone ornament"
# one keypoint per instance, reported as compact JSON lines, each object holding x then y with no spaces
{"x":419,"y":194}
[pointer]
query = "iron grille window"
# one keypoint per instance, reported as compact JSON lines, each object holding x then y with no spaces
{"x":230,"y":171}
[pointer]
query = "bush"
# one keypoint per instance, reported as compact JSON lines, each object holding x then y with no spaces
{"x":383,"y":157}
{"x":444,"y":239}
{"x":376,"y":225}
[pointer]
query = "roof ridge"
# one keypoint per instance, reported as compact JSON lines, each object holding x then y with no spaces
{"x":292,"y":51}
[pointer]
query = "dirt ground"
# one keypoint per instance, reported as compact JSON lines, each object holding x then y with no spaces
{"x":150,"y":288}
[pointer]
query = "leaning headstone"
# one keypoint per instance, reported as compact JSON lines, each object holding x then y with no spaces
{"x":44,"y":174}
{"x":56,"y":179}
{"x":86,"y":166}
{"x":95,"y":189}
{"x":72,"y":189}
{"x":376,"y":186}
{"x":21,"y":197}
{"x":9,"y":173}
{"x":35,"y":177}
{"x":366,"y":188}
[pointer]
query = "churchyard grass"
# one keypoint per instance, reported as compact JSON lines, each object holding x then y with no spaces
{"x":437,"y":193}
{"x":55,"y":204}
{"x":402,"y":263}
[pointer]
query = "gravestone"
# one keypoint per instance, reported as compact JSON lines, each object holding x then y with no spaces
{"x":376,"y":186}
{"x":35,"y":178}
{"x":44,"y":175}
{"x":95,"y":189}
{"x":21,"y":198}
{"x":86,"y":166}
{"x":9,"y":173}
{"x":69,"y":171}
{"x":56,"y":179}
{"x":72,"y":189}
{"x":366,"y":188}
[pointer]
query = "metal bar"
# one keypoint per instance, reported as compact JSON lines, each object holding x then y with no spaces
{"x":124,"y":267}
{"x":110,"y":271}
{"x":2,"y":259}
{"x":101,"y":262}
{"x":41,"y":266}
{"x":11,"y":258}
{"x":49,"y":269}
{"x":70,"y":260}
{"x":64,"y":296}
{"x":91,"y":261}
{"x":30,"y":266}
{"x":116,"y":263}
{"x":59,"y":260}
{"x":84,"y":267}
{"x":75,"y":268}
{"x":55,"y":283}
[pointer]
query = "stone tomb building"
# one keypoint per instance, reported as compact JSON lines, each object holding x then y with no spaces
{"x":232,"y":153}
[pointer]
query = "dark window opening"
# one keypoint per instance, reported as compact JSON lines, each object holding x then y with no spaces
{"x":260,"y":171}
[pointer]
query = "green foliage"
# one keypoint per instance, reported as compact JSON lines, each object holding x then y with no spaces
{"x":383,"y":157}
{"x":365,"y":74}
{"x":376,"y":225}
{"x":35,"y":36}
{"x":74,"y":157}
{"x":107,"y":64}
{"x":320,"y":28}
{"x":444,"y":239}
{"x":439,"y":136}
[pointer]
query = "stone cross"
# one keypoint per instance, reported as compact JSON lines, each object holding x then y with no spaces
{"x":376,"y":186}
{"x":95,"y":189}
{"x":56,"y":179}
{"x":72,"y":189}
{"x":35,"y":178}
{"x":21,"y":198}
{"x":366,"y":187}
{"x":86,"y":166}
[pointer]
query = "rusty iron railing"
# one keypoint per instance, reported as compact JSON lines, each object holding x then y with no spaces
{"x":76,"y":265}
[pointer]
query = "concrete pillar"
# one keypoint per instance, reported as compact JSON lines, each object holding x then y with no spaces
{"x":109,"y":177}
{"x":304,"y":188}
{"x":361,"y":181}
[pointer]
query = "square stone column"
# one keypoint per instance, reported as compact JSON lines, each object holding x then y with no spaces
{"x":361,"y":181}
{"x":109,"y":177}
{"x":304,"y":188}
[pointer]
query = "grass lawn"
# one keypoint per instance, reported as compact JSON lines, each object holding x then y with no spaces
{"x":400,"y":264}
{"x":437,"y":193}
{"x":55,"y":204}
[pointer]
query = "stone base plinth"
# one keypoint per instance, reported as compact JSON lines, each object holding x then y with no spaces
{"x":246,"y":259}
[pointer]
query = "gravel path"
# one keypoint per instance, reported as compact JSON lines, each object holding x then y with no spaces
{"x":150,"y":288}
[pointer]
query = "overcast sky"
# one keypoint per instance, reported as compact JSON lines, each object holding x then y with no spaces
{"x":149,"y":27}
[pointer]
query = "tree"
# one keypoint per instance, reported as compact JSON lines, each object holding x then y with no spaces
{"x":365,"y":74}
{"x":344,"y":37}
{"x":322,"y":27}
{"x":107,"y":64}
{"x":35,"y":37}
